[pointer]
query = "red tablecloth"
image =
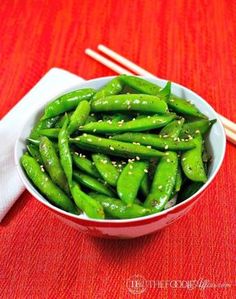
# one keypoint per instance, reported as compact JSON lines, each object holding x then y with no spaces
{"x":190,"y":42}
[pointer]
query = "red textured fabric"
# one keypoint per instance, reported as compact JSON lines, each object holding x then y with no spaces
{"x":190,"y":42}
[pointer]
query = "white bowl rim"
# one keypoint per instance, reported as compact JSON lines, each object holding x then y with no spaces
{"x":31,"y":188}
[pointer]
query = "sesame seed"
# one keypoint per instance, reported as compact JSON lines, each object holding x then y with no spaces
{"x":183,"y":159}
{"x":100,"y":139}
{"x":85,"y":134}
{"x":166,"y":147}
{"x":148,"y":116}
{"x":99,"y":121}
{"x":89,"y":140}
{"x":112,"y":148}
{"x":80,"y":127}
{"x":94,"y":130}
{"x":149,"y":146}
{"x":92,"y":114}
{"x":154,"y":122}
{"x":76,"y":153}
{"x":137,"y":158}
{"x":131,"y":167}
{"x":129,"y":172}
{"x":168,"y":160}
{"x":160,"y":187}
{"x":109,"y":122}
{"x":197,"y":131}
{"x":179,"y":122}
{"x":146,"y":170}
{"x":134,"y":118}
{"x":165,"y":136}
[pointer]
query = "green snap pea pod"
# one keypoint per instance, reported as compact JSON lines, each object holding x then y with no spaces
{"x":200,"y":126}
{"x":163,"y":183}
{"x":144,"y":124}
{"x":52,"y":163}
{"x":92,"y":183}
{"x":64,"y":151}
{"x":112,"y":87}
{"x":45,"y":185}
{"x":144,"y":186}
{"x":85,"y":165}
{"x":33,"y":141}
{"x":106,"y":169}
{"x":42,"y":124}
{"x":51,"y":133}
{"x":79,"y":116}
{"x":156,"y":141}
{"x":117,"y":209}
{"x":175,"y":103}
{"x":34,"y":152}
{"x":115,"y":117}
{"x":91,"y":207}
{"x":172,"y":129}
{"x":140,"y":84}
{"x":67,"y":102}
{"x":113,"y":147}
{"x":131,"y":102}
{"x":189,"y":189}
{"x":192,"y":163}
{"x":129,"y":181}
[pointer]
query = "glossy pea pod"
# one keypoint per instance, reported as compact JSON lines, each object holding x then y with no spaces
{"x":42,"y":124}
{"x":52,"y":163}
{"x":85,"y":165}
{"x":113,"y":147}
{"x":67,"y":102}
{"x":199,"y":126}
{"x":131,"y":102}
{"x":129,"y":181}
{"x":106,"y":169}
{"x":192,"y":163}
{"x":143,"y":124}
{"x":91,"y":207}
{"x":51,"y":133}
{"x":45,"y":185}
{"x":145,"y":185}
{"x":156,"y":141}
{"x":111,"y":88}
{"x":175,"y":103}
{"x":119,"y":210}
{"x":92,"y":183}
{"x":64,"y":151}
{"x":79,"y":116}
{"x":163,"y":183}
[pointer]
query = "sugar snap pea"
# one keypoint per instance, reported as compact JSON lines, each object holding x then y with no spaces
{"x":113,"y":147}
{"x":79,"y":116}
{"x":112,"y":87}
{"x":179,"y":180}
{"x":132,"y":102}
{"x":45,"y":185}
{"x":91,"y":207}
{"x":92,"y":183}
{"x":64,"y":151}
{"x":163,"y":182}
{"x":192,"y":163}
{"x":129,"y":181}
{"x":144,"y":124}
{"x":67,"y":102}
{"x":51,"y":133}
{"x":85,"y":165}
{"x":117,"y":209}
{"x":156,"y":141}
{"x":52,"y":163}
{"x":172,"y":129}
{"x":175,"y":103}
{"x":106,"y":169}
{"x":195,"y":127}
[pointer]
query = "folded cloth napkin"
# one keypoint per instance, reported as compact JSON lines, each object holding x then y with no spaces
{"x":53,"y":83}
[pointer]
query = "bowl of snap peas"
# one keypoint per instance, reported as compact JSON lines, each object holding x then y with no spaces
{"x":121,"y":157}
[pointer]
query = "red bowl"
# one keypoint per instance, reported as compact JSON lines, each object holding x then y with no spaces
{"x":132,"y":228}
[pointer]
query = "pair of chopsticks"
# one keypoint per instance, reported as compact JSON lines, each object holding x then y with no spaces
{"x":127,"y":67}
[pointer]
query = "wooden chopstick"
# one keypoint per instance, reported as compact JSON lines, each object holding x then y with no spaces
{"x":230,"y":127}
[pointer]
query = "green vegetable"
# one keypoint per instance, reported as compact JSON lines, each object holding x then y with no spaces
{"x":79,"y":117}
{"x":172,"y":129}
{"x":113,"y":87}
{"x":163,"y":183}
{"x":117,"y":209}
{"x":85,"y":165}
{"x":67,"y":102}
{"x":45,"y":185}
{"x":129,"y":181}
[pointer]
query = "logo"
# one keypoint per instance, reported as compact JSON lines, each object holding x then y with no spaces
{"x":136,"y":284}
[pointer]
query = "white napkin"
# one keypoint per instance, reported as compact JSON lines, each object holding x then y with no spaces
{"x":53,"y":83}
